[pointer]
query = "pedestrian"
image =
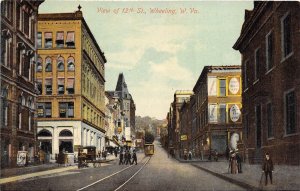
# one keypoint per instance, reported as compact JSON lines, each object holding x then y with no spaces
{"x":227,"y":153}
{"x":42,"y":156}
{"x":121,"y":157}
{"x":190,"y":155}
{"x":128,"y":161}
{"x":104,"y":154}
{"x":239,"y":162}
{"x":268,"y":168}
{"x":134,"y":157}
{"x":116,"y":152}
{"x":233,"y":162}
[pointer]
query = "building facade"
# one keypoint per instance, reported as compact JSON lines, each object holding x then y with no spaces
{"x":128,"y":108}
{"x":185,"y":128}
{"x":180,"y":97}
{"x":217,"y":109}
{"x":70,"y":76}
{"x":114,"y":120}
{"x":271,"y":81}
{"x":18,"y":95}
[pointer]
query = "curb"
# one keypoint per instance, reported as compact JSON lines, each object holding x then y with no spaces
{"x":35,"y":174}
{"x":234,"y":181}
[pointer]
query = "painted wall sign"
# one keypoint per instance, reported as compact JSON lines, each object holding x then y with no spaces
{"x":234,"y":86}
{"x":212,"y":86}
{"x":235,"y":113}
{"x":213,"y":113}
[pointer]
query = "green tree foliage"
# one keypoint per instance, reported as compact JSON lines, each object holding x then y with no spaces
{"x":149,"y":137}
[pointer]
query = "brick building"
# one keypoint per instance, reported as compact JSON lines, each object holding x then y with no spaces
{"x":180,"y":97}
{"x":185,"y":128}
{"x":216,"y":109}
{"x":18,"y":95}
{"x":269,"y":44}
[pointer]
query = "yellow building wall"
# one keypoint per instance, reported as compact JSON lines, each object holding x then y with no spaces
{"x":89,"y":89}
{"x":65,"y":52}
{"x":93,"y":85}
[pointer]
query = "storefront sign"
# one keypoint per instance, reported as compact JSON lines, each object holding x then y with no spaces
{"x":183,"y":137}
{"x":235,"y":113}
{"x":234,"y":86}
{"x":21,"y":158}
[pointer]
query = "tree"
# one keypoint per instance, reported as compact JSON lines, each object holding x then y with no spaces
{"x":149,"y":137}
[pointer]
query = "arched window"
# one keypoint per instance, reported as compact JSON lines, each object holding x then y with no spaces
{"x":60,"y":64}
{"x":39,"y":64}
{"x":65,"y":133}
{"x":71,"y":65}
{"x":48,"y":67}
{"x":44,"y":133}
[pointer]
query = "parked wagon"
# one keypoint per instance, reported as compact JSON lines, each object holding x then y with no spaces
{"x":87,"y":155}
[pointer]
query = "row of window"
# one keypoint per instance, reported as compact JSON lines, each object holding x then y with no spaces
{"x":60,"y":86}
{"x":25,"y":57}
{"x":286,"y":48}
{"x":24,"y":16}
{"x":60,"y":64}
{"x":289,"y":116}
{"x":22,"y":124}
{"x":218,"y":113}
{"x":92,"y":116}
{"x":65,"y":109}
{"x":92,"y":87}
{"x":60,"y":40}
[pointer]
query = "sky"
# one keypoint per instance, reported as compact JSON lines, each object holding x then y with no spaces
{"x":159,"y":53}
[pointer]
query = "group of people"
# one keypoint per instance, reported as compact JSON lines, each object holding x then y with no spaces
{"x":235,"y":160}
{"x":127,"y":157}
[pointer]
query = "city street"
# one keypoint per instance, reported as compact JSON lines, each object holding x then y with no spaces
{"x":152,"y":173}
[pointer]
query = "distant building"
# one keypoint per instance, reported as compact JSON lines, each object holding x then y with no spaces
{"x":180,"y":97}
{"x":70,"y":77}
{"x":18,"y":94}
{"x":217,"y":108}
{"x":114,"y":119}
{"x":269,"y":44}
{"x":185,"y":128}
{"x":128,"y":108}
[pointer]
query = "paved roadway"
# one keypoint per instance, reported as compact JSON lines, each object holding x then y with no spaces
{"x":152,"y":173}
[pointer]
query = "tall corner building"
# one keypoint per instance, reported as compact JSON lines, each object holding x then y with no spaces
{"x":70,"y":77}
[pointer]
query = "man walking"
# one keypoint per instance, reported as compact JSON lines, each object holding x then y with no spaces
{"x":134,"y":157}
{"x":128,"y":157}
{"x":121,"y":157}
{"x":268,"y":168}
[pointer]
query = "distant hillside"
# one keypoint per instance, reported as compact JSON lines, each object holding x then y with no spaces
{"x":147,"y":123}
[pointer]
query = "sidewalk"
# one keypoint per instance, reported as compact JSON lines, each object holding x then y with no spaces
{"x":284,"y":177}
{"x":21,"y":173}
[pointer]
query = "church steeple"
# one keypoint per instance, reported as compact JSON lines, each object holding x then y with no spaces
{"x":122,"y":87}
